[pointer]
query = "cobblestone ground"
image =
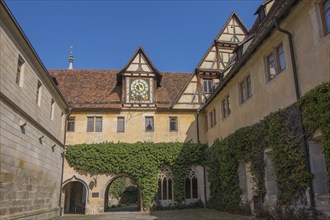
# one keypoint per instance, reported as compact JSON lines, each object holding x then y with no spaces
{"x":186,"y":214}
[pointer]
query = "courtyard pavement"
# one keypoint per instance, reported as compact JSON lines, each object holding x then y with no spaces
{"x":185,"y":214}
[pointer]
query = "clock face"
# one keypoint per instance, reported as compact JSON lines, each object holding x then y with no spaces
{"x":139,"y":87}
{"x":139,"y":90}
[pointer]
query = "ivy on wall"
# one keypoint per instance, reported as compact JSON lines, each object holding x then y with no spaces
{"x":141,"y":161}
{"x":283,"y":133}
{"x":315,"y":106}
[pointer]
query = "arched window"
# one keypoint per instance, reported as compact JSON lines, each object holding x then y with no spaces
{"x":191,"y":185}
{"x":165,"y":184}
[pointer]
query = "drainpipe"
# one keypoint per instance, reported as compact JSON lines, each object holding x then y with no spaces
{"x":306,"y":147}
{"x":293,"y":60}
{"x":63,"y":155}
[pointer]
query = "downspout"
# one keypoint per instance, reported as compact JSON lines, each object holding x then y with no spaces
{"x":204,"y":170}
{"x":63,"y":156}
{"x":298,"y":95}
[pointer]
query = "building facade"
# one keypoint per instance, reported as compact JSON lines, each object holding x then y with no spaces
{"x":32,"y":128}
{"x":270,"y":73}
{"x":244,"y":76}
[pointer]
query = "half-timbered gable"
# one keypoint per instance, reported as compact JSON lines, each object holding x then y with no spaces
{"x":212,"y":67}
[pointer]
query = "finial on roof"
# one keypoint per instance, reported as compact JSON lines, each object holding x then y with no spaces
{"x":71,"y":59}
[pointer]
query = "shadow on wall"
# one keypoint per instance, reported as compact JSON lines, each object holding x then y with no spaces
{"x":191,"y":134}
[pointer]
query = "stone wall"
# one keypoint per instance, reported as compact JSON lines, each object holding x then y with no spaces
{"x":31,"y":137}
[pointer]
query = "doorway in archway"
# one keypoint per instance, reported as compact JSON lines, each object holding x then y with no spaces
{"x":122,"y":195}
{"x":75,"y":198}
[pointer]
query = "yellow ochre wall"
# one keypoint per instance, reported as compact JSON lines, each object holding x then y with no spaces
{"x":134,"y":127}
{"x":312,"y":51}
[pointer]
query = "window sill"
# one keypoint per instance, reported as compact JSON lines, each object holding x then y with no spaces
{"x":268,"y":81}
{"x":246,"y":100}
{"x":227,"y":116}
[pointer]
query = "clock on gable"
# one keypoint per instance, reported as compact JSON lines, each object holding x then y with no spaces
{"x":139,"y":90}
{"x":141,"y":80}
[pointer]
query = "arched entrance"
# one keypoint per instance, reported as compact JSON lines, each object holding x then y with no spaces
{"x":122,"y":194}
{"x":75,"y":197}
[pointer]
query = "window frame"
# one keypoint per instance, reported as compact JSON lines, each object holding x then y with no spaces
{"x":213,"y":118}
{"x":277,"y":64}
{"x":38,"y":95}
{"x":324,"y":23}
{"x":123,"y":129}
{"x":52,"y":109}
{"x":244,"y":95}
{"x":20,"y":71}
{"x":94,"y":121}
{"x":209,"y":87}
{"x":145,"y":123}
{"x":278,"y":60}
{"x":176,"y":123}
{"x":71,"y":119}
{"x":225,"y":106}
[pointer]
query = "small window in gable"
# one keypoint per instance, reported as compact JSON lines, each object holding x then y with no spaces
{"x":207,"y":86}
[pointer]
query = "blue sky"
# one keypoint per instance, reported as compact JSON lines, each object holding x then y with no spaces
{"x":106,"y":33}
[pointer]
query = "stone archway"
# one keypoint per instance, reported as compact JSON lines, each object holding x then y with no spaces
{"x":75,"y":197}
{"x":125,"y":202}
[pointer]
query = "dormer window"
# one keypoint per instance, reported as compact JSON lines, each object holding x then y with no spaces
{"x":207,"y":86}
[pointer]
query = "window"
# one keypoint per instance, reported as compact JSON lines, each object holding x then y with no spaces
{"x":120,"y":124}
{"x":173,"y":124}
{"x":191,"y":185}
{"x":52,"y":108}
{"x":245,"y":89}
{"x":325,"y":12}
{"x":38,"y":97}
{"x":213,"y":119}
{"x":281,"y":58}
{"x":149,"y":123}
{"x":165,"y":184}
{"x":20,"y":71}
{"x":70,"y":124}
{"x":275,"y":63}
{"x":225,"y":107}
{"x":62,"y":120}
{"x":94,"y":124}
{"x":207,"y":86}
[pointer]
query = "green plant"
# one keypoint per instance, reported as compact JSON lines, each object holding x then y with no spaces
{"x":140,"y":161}
{"x":280,"y":131}
{"x":315,"y":106}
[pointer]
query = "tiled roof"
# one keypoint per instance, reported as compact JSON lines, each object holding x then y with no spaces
{"x":99,"y":88}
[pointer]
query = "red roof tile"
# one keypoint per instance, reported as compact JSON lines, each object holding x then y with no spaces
{"x":99,"y":88}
